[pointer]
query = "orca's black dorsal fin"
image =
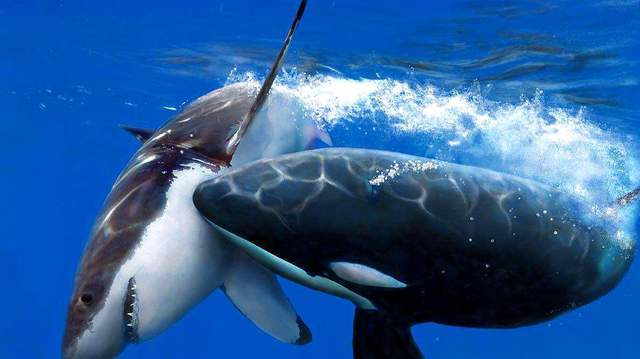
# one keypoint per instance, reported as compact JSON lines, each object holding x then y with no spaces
{"x":234,"y":139}
{"x":376,"y":336}
{"x":142,"y":134}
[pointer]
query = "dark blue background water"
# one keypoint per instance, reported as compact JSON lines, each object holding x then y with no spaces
{"x":70,"y":71}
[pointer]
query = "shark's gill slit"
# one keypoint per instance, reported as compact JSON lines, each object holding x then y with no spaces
{"x":130,"y":312}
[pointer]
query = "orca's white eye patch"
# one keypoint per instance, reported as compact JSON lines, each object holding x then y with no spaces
{"x":364,"y":275}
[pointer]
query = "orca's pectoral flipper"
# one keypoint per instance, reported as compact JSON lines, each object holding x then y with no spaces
{"x":234,"y":138}
{"x":258,"y":295}
{"x":142,"y":134}
{"x":376,"y":336}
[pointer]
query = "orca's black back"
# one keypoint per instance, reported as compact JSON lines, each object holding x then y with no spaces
{"x":475,"y":247}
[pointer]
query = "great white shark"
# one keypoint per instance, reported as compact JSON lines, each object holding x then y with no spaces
{"x":152,"y":257}
{"x":411,"y":240}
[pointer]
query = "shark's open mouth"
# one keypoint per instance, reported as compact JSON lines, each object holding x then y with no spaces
{"x":130,"y":312}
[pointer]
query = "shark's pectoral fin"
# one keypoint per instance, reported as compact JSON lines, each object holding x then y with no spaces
{"x":318,"y":137}
{"x":142,"y":134}
{"x":377,"y":336}
{"x":258,"y":295}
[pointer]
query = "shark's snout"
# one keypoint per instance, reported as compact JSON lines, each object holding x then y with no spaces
{"x":90,"y":345}
{"x":93,"y":329}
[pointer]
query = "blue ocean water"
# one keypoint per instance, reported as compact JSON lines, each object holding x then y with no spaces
{"x":548,"y":90}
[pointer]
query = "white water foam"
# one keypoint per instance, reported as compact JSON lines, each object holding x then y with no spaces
{"x":556,"y":146}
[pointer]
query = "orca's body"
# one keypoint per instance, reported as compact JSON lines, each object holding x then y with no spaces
{"x":412,"y":240}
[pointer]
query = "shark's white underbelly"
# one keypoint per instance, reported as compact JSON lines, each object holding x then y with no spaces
{"x":179,"y":261}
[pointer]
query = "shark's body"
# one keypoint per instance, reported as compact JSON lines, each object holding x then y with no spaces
{"x":150,"y":230}
{"x":413,"y":240}
{"x":152,"y":257}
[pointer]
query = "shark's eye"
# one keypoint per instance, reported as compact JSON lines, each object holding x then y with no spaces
{"x":86,"y":298}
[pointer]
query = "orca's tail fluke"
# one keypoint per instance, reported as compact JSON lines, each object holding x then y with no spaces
{"x":234,"y":138}
{"x":628,"y":198}
{"x":376,"y":336}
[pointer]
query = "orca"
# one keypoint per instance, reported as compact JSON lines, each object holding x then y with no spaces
{"x":151,"y":257}
{"x":411,"y":240}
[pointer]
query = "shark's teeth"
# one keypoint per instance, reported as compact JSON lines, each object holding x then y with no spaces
{"x":130,"y":312}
